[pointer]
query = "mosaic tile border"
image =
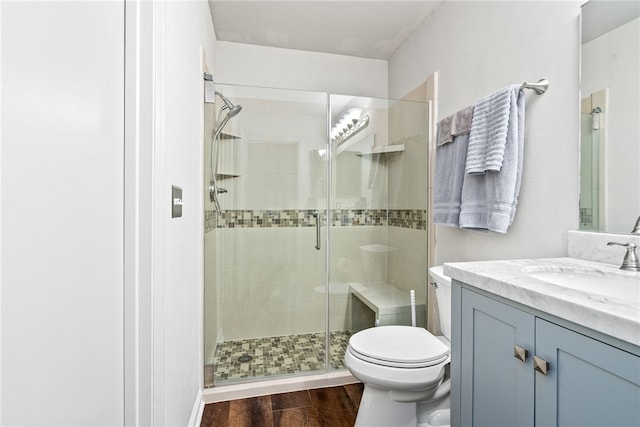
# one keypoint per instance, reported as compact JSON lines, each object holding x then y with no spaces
{"x":406,"y":218}
{"x":210,"y":218}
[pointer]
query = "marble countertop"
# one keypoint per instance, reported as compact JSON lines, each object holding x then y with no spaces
{"x":508,"y":278}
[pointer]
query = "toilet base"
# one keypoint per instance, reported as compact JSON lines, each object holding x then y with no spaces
{"x":378,"y":410}
{"x":434,"y":414}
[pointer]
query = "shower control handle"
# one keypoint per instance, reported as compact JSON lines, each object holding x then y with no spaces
{"x":316,"y":214}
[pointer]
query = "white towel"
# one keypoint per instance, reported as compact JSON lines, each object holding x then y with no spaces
{"x":490,"y":129}
{"x":489,"y":200}
{"x":451,"y":154}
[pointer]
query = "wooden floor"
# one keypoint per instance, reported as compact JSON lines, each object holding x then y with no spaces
{"x":323,"y":407}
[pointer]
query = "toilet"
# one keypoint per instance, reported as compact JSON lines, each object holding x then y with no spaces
{"x":404,"y":369}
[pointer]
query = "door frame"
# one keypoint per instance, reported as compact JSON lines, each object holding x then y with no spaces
{"x":143,"y":208}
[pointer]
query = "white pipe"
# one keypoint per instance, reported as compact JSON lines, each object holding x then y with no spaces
{"x":413,"y":307}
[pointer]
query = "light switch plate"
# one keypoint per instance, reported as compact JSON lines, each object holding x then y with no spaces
{"x":176,"y":201}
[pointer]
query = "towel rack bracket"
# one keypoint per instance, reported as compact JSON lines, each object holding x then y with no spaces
{"x":538,"y":87}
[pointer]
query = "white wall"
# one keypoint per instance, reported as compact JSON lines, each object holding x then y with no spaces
{"x":244,"y":64}
{"x":61,"y":259}
{"x":477,"y":48}
{"x":188,"y":29}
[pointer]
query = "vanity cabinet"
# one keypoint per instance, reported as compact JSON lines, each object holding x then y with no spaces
{"x":579,"y":380}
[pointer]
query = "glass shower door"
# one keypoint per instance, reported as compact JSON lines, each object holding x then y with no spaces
{"x":590,"y":185}
{"x":378,"y":238}
{"x":265,"y":255}
{"x":308,"y":224}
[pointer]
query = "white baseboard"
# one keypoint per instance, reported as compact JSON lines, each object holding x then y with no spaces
{"x":284,"y":385}
{"x":196,"y":413}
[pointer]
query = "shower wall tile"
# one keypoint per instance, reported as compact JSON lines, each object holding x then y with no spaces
{"x":210,"y":219}
{"x":346,"y":257}
{"x":407,"y":265}
{"x":261,"y":319}
{"x":210,"y":296}
{"x":246,"y":246}
{"x":408,"y":218}
{"x":405,"y":218}
{"x":408,"y":174}
{"x":273,"y":157}
{"x":276,"y":155}
{"x":358,"y":217}
{"x":270,"y":278}
{"x":266,"y":218}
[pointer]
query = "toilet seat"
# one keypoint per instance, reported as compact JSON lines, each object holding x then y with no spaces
{"x":398,"y":347}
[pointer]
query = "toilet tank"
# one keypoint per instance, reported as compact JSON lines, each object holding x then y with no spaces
{"x":374,"y":262}
{"x":443,"y":296}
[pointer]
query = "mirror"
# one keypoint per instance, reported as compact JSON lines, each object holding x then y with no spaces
{"x":610,"y":108}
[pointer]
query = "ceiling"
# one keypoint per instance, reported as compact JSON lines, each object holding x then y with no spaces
{"x":364,"y":28}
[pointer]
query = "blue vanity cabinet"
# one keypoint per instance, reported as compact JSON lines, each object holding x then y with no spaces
{"x":588,"y":383}
{"x":496,"y":388}
{"x":496,"y":346}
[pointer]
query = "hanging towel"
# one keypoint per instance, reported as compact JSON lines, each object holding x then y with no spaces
{"x":454,"y":125}
{"x":490,"y":128}
{"x":451,"y":154}
{"x":461,"y":122}
{"x":444,"y":131}
{"x":489,"y":200}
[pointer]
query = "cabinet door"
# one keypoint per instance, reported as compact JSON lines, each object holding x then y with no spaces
{"x":588,"y":383}
{"x":496,"y":388}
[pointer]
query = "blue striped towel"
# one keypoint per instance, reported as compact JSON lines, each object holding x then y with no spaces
{"x":490,"y":129}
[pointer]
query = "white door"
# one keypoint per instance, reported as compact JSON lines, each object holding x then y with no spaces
{"x":62,"y":83}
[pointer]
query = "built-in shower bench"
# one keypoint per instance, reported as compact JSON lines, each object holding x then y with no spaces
{"x":377,"y":304}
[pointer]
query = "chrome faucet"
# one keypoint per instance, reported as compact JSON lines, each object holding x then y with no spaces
{"x":636,"y":228}
{"x":630,"y":261}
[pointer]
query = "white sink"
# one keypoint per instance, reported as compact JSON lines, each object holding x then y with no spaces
{"x":609,"y":283}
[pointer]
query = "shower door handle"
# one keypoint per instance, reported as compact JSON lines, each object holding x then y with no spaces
{"x":317,"y":217}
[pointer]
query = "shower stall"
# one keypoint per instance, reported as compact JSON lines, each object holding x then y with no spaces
{"x":318,"y":227}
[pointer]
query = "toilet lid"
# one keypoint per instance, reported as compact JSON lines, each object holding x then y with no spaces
{"x":401,"y":346}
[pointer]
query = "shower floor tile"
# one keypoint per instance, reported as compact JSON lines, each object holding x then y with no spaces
{"x":235,"y":361}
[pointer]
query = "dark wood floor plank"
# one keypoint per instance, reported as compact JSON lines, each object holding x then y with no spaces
{"x":355,"y":393}
{"x":215,"y":415}
{"x":334,"y":399}
{"x":304,"y":416}
{"x":294,"y":399}
{"x":325,"y":407}
{"x":328,"y":417}
{"x":251,"y":412}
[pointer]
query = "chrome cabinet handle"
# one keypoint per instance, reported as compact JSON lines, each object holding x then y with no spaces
{"x":317,"y":217}
{"x":520,"y":353}
{"x":540,"y":365}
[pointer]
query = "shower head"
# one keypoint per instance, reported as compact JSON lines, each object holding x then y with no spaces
{"x":233,"y":109}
